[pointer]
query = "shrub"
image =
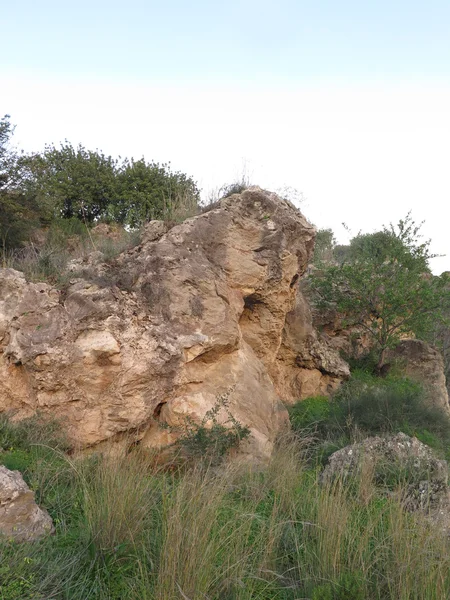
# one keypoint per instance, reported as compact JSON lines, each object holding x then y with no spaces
{"x":369,"y":405}
{"x":388,"y":405}
{"x":311,"y":414}
{"x":210,"y":440}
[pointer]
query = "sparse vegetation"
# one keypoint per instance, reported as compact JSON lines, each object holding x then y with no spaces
{"x":209,"y":441}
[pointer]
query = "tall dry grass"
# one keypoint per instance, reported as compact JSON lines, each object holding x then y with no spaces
{"x":133,"y":530}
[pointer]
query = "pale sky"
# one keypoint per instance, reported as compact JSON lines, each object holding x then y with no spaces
{"x":347,"y":102}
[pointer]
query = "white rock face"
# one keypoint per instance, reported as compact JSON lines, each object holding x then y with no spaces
{"x":156,"y":335}
{"x":21,"y":519}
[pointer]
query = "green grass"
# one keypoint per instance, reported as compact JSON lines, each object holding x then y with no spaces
{"x":369,"y":405}
{"x":127,"y":529}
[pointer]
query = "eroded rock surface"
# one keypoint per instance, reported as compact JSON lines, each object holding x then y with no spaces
{"x":398,"y":460}
{"x":21,"y":519}
{"x":156,"y":335}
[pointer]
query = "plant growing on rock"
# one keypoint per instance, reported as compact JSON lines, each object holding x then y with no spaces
{"x":211,"y":440}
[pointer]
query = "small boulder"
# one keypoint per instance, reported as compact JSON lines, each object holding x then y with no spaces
{"x":393,"y":460}
{"x":21,"y":519}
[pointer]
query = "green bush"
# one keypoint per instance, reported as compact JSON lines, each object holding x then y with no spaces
{"x":211,"y":440}
{"x":368,"y":405}
{"x":388,"y":405}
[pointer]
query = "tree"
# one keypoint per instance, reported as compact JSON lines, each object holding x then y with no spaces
{"x":324,"y":246}
{"x":385,"y":286}
{"x":18,"y":213}
{"x":75,"y":182}
{"x":71,"y":182}
{"x":149,"y":191}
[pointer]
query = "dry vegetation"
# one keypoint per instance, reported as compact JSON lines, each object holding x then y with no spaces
{"x":127,"y":529}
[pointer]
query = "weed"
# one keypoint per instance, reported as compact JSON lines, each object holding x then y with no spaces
{"x":210,"y":440}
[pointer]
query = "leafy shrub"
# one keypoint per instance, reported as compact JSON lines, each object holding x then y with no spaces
{"x":209,"y":440}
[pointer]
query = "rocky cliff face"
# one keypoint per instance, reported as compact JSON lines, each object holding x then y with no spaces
{"x":155,"y":336}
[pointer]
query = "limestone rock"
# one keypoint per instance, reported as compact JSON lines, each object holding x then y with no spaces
{"x":306,"y":364}
{"x":422,"y":363}
{"x":425,"y":486}
{"x":156,"y":335}
{"x":21,"y":518}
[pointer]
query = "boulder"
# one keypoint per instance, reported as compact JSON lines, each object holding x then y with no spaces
{"x":21,"y":519}
{"x":157,"y":335}
{"x":395,"y":459}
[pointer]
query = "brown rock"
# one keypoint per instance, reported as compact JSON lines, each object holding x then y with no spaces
{"x":156,"y":336}
{"x":21,"y":519}
{"x":422,"y":363}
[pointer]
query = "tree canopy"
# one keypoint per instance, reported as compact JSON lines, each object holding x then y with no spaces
{"x":384,"y":286}
{"x":18,"y":212}
{"x":89,"y":185}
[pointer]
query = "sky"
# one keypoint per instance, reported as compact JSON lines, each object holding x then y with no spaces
{"x":345,"y":103}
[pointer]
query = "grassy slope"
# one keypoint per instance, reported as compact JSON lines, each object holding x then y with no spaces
{"x":127,"y":530}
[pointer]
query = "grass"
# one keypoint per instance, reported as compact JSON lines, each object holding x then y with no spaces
{"x":63,"y":241}
{"x":127,"y":529}
{"x":369,"y":405}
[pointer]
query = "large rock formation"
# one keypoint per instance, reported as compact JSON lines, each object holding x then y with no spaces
{"x":155,"y":336}
{"x":21,"y":519}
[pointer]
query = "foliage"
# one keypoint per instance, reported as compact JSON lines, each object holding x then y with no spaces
{"x":385,"y":287}
{"x":368,"y":405}
{"x":71,"y":182}
{"x":211,"y":440}
{"x":89,"y":185}
{"x":7,"y":155}
{"x":149,"y":191}
{"x":311,"y":414}
{"x":324,"y":247}
{"x":18,"y":213}
{"x":388,"y":405}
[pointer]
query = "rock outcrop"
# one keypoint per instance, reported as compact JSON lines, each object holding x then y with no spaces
{"x":155,"y":336}
{"x":21,"y":519}
{"x":422,"y":363}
